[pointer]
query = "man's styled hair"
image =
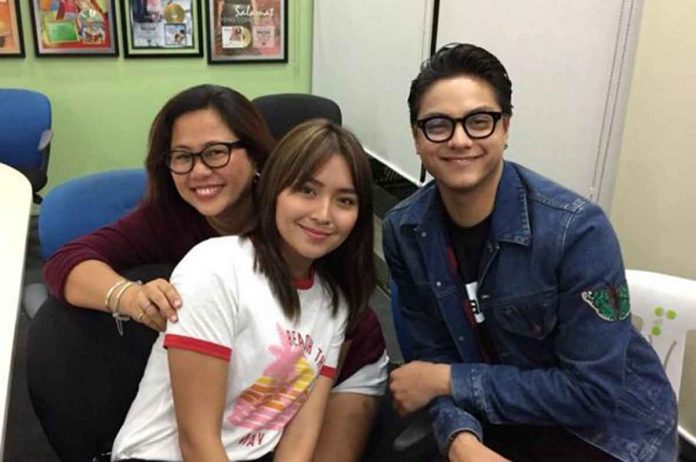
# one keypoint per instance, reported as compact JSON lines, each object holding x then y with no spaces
{"x":461,"y":59}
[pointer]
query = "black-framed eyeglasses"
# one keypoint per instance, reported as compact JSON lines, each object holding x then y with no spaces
{"x":213,"y":156}
{"x":477,"y":125}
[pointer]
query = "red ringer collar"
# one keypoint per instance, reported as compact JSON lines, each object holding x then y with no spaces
{"x":305,"y":284}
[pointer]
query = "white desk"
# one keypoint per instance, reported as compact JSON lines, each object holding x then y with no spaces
{"x":15,"y":208}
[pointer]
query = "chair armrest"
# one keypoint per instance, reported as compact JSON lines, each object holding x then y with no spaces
{"x":45,"y":139}
{"x":34,"y":296}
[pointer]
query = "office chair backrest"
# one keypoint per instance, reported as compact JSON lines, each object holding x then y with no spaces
{"x":81,"y":205}
{"x":25,"y":116}
{"x":284,"y":111}
{"x":666,"y":310}
{"x":25,"y":135}
{"x":666,"y":306}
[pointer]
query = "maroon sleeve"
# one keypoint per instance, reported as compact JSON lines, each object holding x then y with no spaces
{"x":367,"y":346}
{"x":144,"y":236}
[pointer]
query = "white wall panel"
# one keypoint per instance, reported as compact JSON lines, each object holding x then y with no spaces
{"x":570,"y":63}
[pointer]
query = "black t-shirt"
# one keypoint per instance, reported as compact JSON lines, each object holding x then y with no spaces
{"x":468,"y":245}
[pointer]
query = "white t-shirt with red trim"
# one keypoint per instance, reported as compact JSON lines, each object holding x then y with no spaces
{"x":229,"y":312}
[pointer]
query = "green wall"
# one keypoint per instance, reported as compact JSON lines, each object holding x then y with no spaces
{"x":103,"y":107}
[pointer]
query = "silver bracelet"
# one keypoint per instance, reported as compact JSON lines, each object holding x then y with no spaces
{"x":110,"y":292}
{"x":119,"y":318}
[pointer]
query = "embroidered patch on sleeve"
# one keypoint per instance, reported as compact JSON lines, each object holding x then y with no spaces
{"x":610,"y":304}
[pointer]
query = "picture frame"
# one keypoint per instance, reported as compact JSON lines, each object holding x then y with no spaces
{"x":74,"y":28}
{"x":11,"y":40}
{"x":153,"y":29}
{"x":247,"y":31}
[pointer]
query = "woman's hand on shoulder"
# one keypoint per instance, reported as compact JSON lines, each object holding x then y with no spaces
{"x":153,"y":303}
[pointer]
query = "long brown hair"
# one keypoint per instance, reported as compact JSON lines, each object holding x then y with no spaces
{"x":234,"y":109}
{"x":349,"y":269}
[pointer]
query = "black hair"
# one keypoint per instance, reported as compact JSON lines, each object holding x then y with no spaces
{"x":461,"y":59}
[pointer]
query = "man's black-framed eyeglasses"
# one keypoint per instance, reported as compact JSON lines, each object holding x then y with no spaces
{"x":214,"y":156}
{"x":477,"y":125}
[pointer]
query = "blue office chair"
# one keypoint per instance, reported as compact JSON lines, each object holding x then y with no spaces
{"x":81,"y":205}
{"x":25,"y":134}
{"x":78,"y":207}
{"x":284,"y":111}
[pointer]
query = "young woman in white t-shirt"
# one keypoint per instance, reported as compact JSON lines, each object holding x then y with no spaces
{"x":246,"y":372}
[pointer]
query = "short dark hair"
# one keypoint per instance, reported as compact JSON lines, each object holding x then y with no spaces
{"x":349,"y":269}
{"x":234,"y":109}
{"x":461,"y":59}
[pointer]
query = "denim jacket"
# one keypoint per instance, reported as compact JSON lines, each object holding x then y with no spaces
{"x":551,"y":285}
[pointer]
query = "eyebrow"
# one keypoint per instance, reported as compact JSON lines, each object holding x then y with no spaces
{"x":483,"y":108}
{"x":340,"y":190}
{"x":206,"y":145}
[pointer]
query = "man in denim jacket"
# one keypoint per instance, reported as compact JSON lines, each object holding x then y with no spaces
{"x":513,"y":289}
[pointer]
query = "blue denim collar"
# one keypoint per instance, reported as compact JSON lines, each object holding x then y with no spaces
{"x":510,"y":222}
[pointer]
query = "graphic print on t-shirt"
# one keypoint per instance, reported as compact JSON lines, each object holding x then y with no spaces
{"x":275,"y":397}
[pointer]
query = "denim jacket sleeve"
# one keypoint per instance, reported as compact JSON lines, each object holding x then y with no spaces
{"x":447,"y":418}
{"x":583,"y":388}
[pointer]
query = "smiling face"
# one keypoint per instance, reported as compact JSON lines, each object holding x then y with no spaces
{"x":462,"y":165}
{"x":218,"y":194}
{"x":318,"y":217}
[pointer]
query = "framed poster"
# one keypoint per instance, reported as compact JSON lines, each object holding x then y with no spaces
{"x":247,"y":31}
{"x":159,"y":28}
{"x":11,"y":42}
{"x":74,"y":27}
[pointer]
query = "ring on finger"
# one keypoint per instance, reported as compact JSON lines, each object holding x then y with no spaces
{"x":140,"y":316}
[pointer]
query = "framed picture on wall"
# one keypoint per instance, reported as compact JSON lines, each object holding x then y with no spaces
{"x":74,"y":27}
{"x":11,"y":42}
{"x":247,"y":31}
{"x":161,"y":28}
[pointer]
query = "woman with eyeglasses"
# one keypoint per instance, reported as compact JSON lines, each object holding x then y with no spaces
{"x":207,"y":146}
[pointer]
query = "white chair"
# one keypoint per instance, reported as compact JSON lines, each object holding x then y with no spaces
{"x":666,"y":308}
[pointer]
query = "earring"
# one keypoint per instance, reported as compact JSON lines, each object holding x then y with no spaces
{"x":506,"y":146}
